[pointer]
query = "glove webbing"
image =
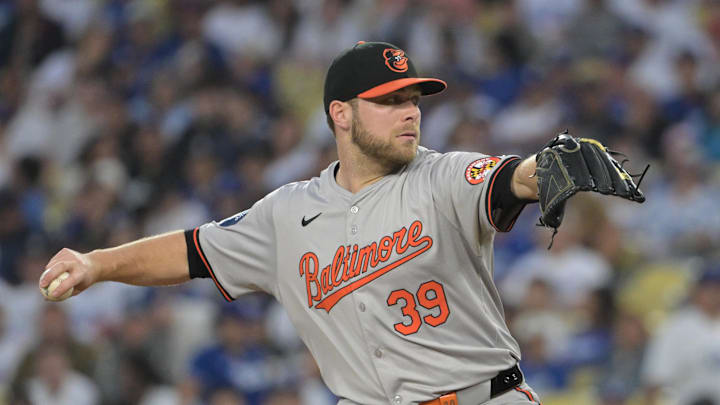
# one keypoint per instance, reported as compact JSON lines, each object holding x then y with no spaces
{"x":622,"y":164}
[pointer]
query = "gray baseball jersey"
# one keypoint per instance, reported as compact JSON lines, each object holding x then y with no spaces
{"x":391,"y":288}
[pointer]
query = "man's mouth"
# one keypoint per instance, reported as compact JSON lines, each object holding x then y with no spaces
{"x":408,"y":135}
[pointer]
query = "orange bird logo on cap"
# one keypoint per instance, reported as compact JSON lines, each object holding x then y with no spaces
{"x":396,"y":60}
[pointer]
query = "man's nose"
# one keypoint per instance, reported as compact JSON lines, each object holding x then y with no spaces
{"x":412,"y":112}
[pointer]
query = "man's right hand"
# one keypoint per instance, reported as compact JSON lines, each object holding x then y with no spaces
{"x":153,"y":261}
{"x":83,"y":272}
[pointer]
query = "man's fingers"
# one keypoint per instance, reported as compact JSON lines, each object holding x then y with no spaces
{"x":64,"y":255}
{"x":63,"y":273}
{"x":44,"y":279}
{"x":65,"y":285}
{"x":59,"y":257}
{"x":52,"y":272}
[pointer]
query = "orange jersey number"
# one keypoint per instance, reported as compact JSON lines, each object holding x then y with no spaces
{"x":430,"y":295}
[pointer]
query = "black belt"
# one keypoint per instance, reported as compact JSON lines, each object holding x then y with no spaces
{"x":505,"y":381}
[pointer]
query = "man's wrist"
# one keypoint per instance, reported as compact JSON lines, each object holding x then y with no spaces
{"x":97,"y":266}
{"x":524,"y":182}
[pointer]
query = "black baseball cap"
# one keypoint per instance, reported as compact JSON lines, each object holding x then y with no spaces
{"x":372,"y":69}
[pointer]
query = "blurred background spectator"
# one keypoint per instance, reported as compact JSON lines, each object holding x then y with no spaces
{"x":125,"y":118}
{"x":683,"y":359}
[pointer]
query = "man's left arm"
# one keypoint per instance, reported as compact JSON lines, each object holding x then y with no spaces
{"x":477,"y":191}
{"x":513,"y":186}
{"x":524,"y":183}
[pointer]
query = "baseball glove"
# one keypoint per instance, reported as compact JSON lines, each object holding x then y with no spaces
{"x":567,"y":165}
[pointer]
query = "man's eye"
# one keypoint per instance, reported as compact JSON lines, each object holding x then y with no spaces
{"x":397,"y":100}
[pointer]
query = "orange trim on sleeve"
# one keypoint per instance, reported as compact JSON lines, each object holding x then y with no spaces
{"x":207,"y":265}
{"x":489,"y":194}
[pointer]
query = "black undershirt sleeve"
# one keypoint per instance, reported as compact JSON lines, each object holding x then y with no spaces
{"x":503,"y":207}
{"x":197,"y":268}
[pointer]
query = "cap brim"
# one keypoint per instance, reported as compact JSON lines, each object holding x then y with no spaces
{"x":427,"y":86}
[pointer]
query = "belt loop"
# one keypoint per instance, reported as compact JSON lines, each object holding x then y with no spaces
{"x":449,"y":399}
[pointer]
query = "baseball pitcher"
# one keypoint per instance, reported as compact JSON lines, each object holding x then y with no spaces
{"x":385,"y":261}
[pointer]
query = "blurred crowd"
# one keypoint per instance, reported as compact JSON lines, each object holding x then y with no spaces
{"x":126,"y":118}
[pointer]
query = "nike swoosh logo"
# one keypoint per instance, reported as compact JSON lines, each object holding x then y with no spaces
{"x":306,"y":222}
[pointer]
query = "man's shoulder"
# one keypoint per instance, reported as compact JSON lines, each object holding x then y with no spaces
{"x":428,"y":158}
{"x":295,"y":189}
{"x":425,"y":157}
{"x":429,"y":155}
{"x":312,"y":187}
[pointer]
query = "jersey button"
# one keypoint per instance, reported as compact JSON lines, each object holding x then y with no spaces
{"x":353,"y":229}
{"x":378,"y":353}
{"x":362,"y":307}
{"x":397,"y":400}
{"x":354,"y":209}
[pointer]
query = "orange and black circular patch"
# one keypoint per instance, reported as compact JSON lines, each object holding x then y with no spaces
{"x":476,"y":171}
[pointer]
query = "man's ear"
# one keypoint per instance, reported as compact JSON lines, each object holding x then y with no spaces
{"x":342,"y":114}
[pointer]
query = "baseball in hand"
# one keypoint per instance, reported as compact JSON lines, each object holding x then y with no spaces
{"x":47,"y":291}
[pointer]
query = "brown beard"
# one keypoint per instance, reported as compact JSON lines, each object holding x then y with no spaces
{"x":382,"y":151}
